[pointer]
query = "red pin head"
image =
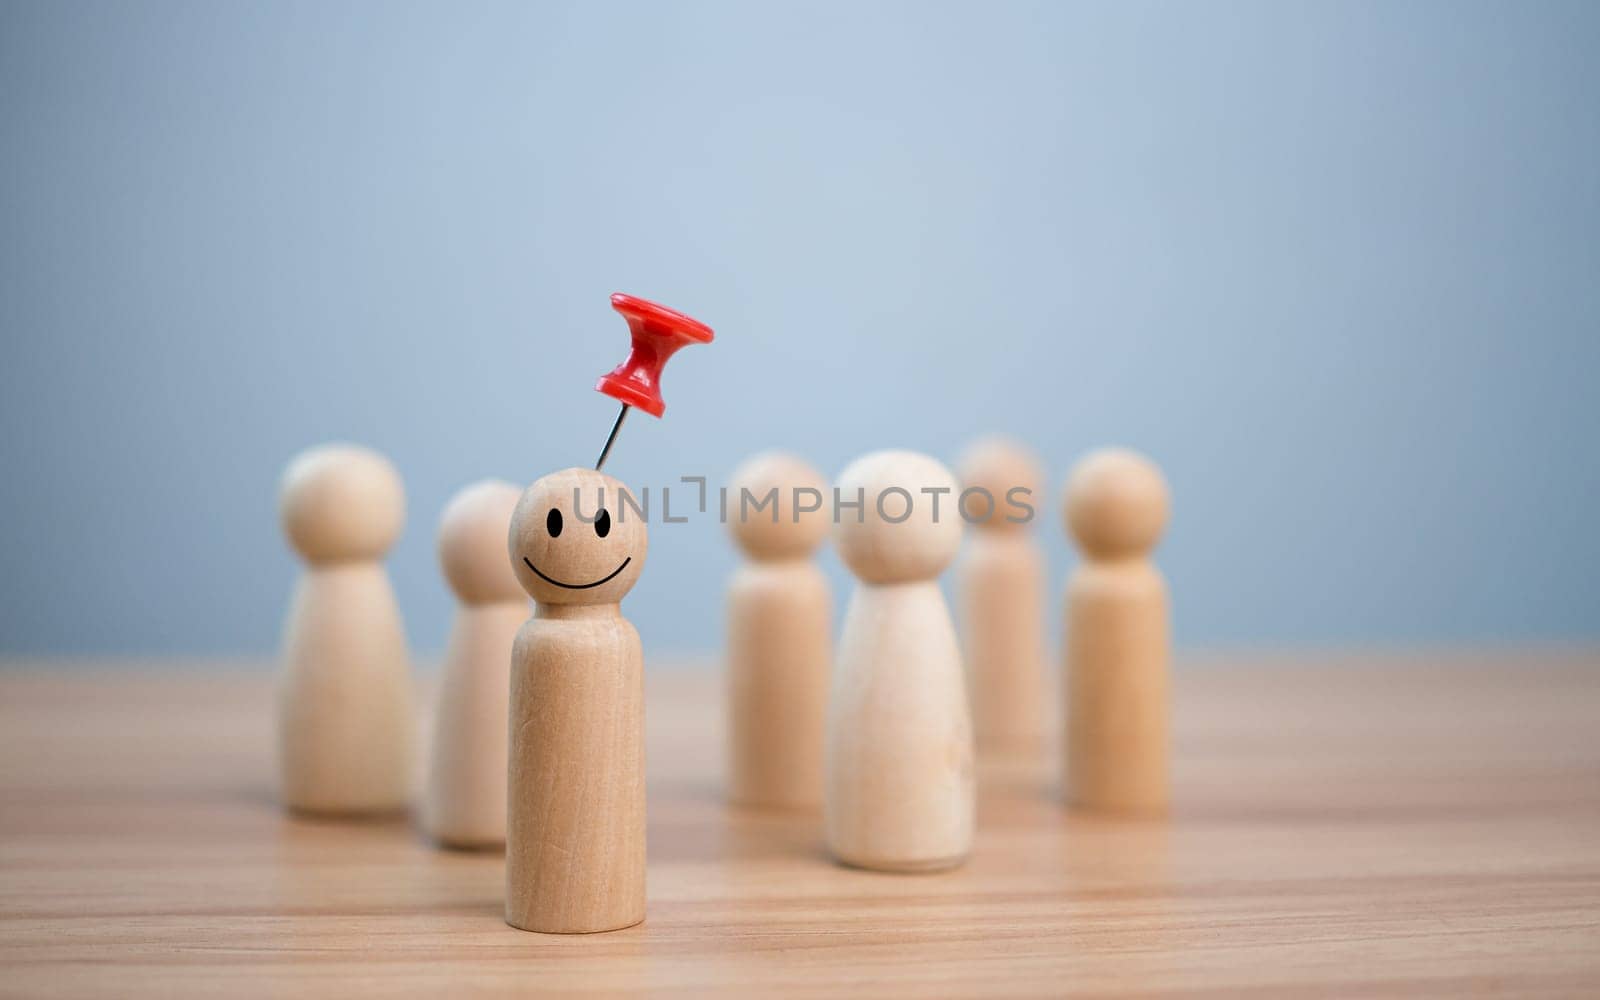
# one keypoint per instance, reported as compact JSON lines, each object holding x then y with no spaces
{"x":658,"y":333}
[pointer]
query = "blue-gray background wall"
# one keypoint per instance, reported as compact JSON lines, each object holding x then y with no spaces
{"x":1335,"y":265}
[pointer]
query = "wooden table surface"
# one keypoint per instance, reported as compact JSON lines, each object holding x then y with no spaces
{"x":1342,"y":826}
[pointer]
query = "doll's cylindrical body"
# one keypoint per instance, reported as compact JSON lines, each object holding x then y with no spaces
{"x":1000,"y":585}
{"x":345,"y":716}
{"x":1000,"y":595}
{"x":779,"y":620}
{"x":575,"y":819}
{"x":465,"y":805}
{"x":899,"y":757}
{"x":1117,"y":700}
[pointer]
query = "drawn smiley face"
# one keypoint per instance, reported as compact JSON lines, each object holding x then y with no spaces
{"x":574,"y":540}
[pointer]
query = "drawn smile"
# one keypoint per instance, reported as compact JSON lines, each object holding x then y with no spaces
{"x":577,"y":586}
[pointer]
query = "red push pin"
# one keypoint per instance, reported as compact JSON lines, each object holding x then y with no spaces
{"x":658,"y":333}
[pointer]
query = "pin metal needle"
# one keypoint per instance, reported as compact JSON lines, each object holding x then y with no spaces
{"x":611,"y":438}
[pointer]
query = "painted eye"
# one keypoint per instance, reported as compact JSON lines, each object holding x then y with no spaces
{"x":602,"y":524}
{"x":552,"y":523}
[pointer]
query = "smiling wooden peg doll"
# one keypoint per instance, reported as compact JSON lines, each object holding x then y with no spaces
{"x":575,"y":809}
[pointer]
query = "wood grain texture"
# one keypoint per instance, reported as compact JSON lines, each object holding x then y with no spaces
{"x":1339,"y":826}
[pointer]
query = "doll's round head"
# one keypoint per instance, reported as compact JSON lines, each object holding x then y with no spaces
{"x":1116,"y":503}
{"x":472,"y":543}
{"x":574,"y":541}
{"x":898,"y":536}
{"x":341,"y":502}
{"x":997,"y":466}
{"x":791,"y":525}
